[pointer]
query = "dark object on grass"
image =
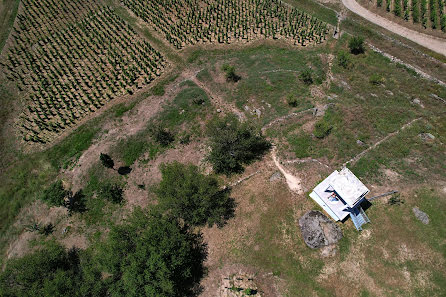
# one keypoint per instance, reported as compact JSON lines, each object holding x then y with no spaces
{"x":111,"y":192}
{"x":356,"y":45}
{"x":107,"y":161}
{"x":124,"y":170}
{"x":319,"y":231}
{"x":47,"y":229}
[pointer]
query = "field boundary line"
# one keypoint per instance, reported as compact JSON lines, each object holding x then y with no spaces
{"x":359,"y":156}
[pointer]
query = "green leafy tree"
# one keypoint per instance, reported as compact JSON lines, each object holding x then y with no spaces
{"x":107,"y":161}
{"x":55,"y":194}
{"x":52,"y":271}
{"x":234,"y":144}
{"x":356,"y":45}
{"x":152,"y":255}
{"x":111,"y":192}
{"x":194,"y":197}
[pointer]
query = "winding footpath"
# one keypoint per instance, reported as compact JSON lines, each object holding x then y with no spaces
{"x":435,"y":44}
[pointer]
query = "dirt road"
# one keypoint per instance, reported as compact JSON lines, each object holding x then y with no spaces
{"x":435,"y":44}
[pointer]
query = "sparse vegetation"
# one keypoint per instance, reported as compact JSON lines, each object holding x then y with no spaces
{"x":344,"y":59}
{"x":55,"y":194}
{"x":111,"y":192}
{"x":306,"y":76}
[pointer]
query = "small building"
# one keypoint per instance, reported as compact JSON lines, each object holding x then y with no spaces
{"x":341,"y":195}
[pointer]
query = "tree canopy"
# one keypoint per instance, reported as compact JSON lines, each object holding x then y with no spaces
{"x":51,"y":271}
{"x":152,"y":255}
{"x":193,"y":196}
{"x":234,"y":144}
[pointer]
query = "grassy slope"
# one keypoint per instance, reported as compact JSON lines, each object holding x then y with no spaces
{"x":8,"y":12}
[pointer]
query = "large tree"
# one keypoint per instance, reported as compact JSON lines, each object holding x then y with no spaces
{"x":52,"y":271}
{"x":192,"y":196}
{"x":234,"y":144}
{"x":152,"y":255}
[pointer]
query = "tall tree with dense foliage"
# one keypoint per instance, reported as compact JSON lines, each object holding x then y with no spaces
{"x":52,"y":271}
{"x":234,"y":144}
{"x":152,"y":255}
{"x":192,"y":196}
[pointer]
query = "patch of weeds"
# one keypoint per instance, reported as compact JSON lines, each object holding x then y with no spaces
{"x":395,"y":199}
{"x":204,"y":75}
{"x":376,"y":79}
{"x":322,"y":128}
{"x":122,"y":108}
{"x":301,"y":145}
{"x":344,"y":60}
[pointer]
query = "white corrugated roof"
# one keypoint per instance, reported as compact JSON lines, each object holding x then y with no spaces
{"x":348,"y":186}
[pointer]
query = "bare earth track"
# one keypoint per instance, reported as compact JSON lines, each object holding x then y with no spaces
{"x":435,"y":44}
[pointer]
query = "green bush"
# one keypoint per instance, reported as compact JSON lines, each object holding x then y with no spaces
{"x":234,"y":144}
{"x":415,"y":11}
{"x":356,"y":45}
{"x":194,"y":197}
{"x":111,"y":192}
{"x":107,"y":161}
{"x":162,"y":136}
{"x":292,"y":100}
{"x":55,"y":194}
{"x":306,"y":76}
{"x":52,"y":271}
{"x":322,"y":128}
{"x":376,"y":79}
{"x":344,"y":59}
{"x":230,"y":73}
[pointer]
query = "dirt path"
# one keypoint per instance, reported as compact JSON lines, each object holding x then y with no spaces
{"x":218,"y":101}
{"x":433,"y":43}
{"x":131,"y":123}
{"x":294,"y":183}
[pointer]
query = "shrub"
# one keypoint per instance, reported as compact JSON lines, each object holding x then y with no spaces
{"x":162,"y":136}
{"x":376,"y":79}
{"x":306,"y":76}
{"x":415,"y":11}
{"x":234,"y":144}
{"x":356,"y":45}
{"x":230,"y":73}
{"x":194,"y":197}
{"x":322,"y":128}
{"x":292,"y":100}
{"x":111,"y":192}
{"x":76,"y":202}
{"x":397,"y":7}
{"x":55,"y":194}
{"x":107,"y":161}
{"x":344,"y":59}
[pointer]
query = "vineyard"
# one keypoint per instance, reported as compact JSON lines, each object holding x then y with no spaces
{"x":69,"y":58}
{"x":187,"y":22}
{"x":428,"y":13}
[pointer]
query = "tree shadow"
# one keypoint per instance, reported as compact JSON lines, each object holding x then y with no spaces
{"x":124,"y":170}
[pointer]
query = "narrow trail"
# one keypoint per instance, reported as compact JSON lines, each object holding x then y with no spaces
{"x":359,"y":156}
{"x":218,"y":101}
{"x":294,"y":183}
{"x":435,"y":44}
